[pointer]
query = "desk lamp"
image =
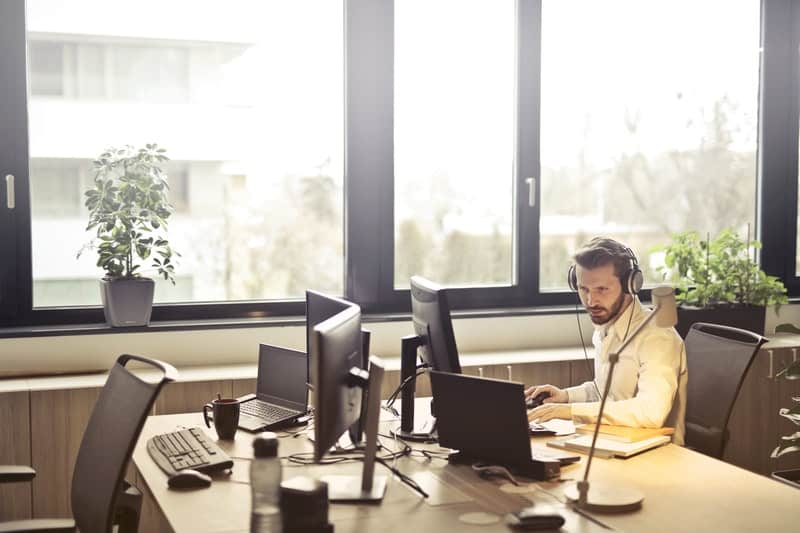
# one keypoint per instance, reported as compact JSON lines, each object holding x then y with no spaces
{"x":607,"y":497}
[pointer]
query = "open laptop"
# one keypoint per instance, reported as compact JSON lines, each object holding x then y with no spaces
{"x":281,"y":394}
{"x":486,"y":421}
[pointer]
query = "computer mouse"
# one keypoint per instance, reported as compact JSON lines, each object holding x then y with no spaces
{"x":188,"y":479}
{"x":536,"y":401}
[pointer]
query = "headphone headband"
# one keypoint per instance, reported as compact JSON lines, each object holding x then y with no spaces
{"x":631,"y":280}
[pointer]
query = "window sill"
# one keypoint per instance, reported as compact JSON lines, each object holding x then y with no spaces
{"x":239,"y":323}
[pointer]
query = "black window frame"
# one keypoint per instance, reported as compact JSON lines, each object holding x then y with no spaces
{"x":369,"y":225}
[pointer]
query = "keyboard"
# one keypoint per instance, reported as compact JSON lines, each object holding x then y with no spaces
{"x":268,"y":412}
{"x":187,"y":448}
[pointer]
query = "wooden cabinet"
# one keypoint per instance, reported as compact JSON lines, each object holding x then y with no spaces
{"x":755,"y":425}
{"x":15,"y":449}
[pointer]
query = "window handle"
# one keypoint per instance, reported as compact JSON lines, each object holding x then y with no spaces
{"x":531,"y":191}
{"x":10,"y":191}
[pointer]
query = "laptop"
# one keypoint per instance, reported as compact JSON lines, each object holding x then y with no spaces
{"x":487,"y":422}
{"x":281,"y":394}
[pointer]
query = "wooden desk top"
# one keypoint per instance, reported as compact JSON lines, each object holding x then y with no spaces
{"x":684,"y":491}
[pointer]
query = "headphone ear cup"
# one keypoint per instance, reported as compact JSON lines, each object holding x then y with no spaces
{"x":572,"y":278}
{"x":635,"y":280}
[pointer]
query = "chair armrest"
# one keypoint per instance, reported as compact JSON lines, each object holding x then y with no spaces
{"x":12,"y":474}
{"x":39,"y":525}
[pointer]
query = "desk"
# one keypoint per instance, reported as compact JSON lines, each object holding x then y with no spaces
{"x":684,"y":491}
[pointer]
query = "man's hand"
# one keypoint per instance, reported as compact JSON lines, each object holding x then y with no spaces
{"x":556,"y":395}
{"x":547,"y":411}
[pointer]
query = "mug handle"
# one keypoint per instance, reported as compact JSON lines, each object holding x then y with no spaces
{"x":206,"y":408}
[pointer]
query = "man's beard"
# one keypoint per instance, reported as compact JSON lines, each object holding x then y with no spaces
{"x":612,"y":313}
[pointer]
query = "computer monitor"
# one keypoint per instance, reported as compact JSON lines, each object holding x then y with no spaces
{"x":434,"y":342}
{"x":338,"y":382}
{"x":320,"y":307}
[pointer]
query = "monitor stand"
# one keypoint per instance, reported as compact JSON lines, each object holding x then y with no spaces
{"x":368,"y":487}
{"x":408,"y":369}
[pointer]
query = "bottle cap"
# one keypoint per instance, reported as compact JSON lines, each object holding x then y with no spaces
{"x":265,"y":445}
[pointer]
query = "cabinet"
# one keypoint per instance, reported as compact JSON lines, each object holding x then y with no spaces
{"x":755,"y":425}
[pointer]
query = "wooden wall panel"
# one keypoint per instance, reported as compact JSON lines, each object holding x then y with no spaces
{"x":15,"y":449}
{"x":189,"y":397}
{"x":58,"y":420}
{"x":785,"y":390}
{"x":754,"y":418}
{"x":581,"y":371}
{"x":243,"y":386}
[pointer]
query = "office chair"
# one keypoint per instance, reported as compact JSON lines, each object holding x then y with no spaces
{"x":717,"y":359}
{"x":101,"y":498}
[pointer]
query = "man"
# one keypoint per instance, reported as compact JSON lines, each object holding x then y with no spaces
{"x":648,"y":388}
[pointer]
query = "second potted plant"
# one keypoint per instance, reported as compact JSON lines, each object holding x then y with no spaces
{"x":128,"y":209}
{"x":719,"y":282}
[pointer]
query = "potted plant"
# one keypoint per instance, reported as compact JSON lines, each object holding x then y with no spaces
{"x":789,"y":443}
{"x":719,"y":282}
{"x":128,"y":209}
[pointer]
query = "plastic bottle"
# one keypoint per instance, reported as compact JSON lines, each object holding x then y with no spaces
{"x":265,"y":483}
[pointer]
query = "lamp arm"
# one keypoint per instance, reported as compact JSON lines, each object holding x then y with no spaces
{"x":613,"y":358}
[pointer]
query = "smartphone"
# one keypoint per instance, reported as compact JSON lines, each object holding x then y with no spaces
{"x":539,"y":517}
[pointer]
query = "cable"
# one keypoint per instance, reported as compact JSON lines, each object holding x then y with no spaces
{"x":393,"y":396}
{"x":404,"y":478}
{"x":589,"y":369}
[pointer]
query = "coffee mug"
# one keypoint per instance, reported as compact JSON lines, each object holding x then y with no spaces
{"x":226,"y":416}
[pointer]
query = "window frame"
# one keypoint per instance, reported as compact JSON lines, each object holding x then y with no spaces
{"x":368,"y":189}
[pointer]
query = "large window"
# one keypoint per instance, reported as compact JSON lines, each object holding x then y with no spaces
{"x":454,"y":141}
{"x":346,"y":145}
{"x":644,"y":134}
{"x":256,"y":123}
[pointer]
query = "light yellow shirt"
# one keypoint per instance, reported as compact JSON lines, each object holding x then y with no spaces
{"x":649,"y":385}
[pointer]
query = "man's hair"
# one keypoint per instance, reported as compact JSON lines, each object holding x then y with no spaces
{"x":602,"y":251}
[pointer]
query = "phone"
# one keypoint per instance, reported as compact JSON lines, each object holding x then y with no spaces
{"x":540,"y":517}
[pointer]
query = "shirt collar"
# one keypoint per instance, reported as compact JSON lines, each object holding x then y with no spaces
{"x":619,"y":325}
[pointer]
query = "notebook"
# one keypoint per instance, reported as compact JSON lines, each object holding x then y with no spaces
{"x":486,"y":421}
{"x":606,"y":447}
{"x":624,"y":433}
{"x":281,"y":394}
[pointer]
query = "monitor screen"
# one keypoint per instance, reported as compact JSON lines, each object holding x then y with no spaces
{"x":282,"y":376}
{"x":335,"y":349}
{"x":320,"y":307}
{"x":431,"y":315}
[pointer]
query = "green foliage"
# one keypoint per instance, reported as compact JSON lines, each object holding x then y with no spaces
{"x":789,"y":443}
{"x":718,"y":271}
{"x":128,"y":208}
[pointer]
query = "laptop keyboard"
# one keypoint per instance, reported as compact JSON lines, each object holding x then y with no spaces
{"x":267,"y":411}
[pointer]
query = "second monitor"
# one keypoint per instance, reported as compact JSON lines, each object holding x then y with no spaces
{"x":434,"y":342}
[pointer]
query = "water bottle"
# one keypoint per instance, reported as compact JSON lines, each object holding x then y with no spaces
{"x":265,"y":483}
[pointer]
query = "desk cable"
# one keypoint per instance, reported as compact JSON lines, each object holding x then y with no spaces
{"x":388,"y":406}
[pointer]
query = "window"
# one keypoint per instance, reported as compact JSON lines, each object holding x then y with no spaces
{"x":636,"y":140}
{"x":344,"y":146}
{"x":454,"y":141}
{"x":256,"y":134}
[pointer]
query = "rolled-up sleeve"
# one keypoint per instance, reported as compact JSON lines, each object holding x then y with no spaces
{"x":659,"y":356}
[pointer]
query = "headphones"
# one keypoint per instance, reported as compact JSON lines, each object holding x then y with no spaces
{"x":631,"y":280}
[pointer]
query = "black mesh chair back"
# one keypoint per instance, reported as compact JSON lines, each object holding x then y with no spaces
{"x":114,"y":427}
{"x":717,"y":360}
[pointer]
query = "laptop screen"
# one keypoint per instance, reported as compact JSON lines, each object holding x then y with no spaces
{"x":282,"y":376}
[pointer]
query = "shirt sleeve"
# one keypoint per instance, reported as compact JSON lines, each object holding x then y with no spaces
{"x":659,"y":364}
{"x":585,"y":392}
